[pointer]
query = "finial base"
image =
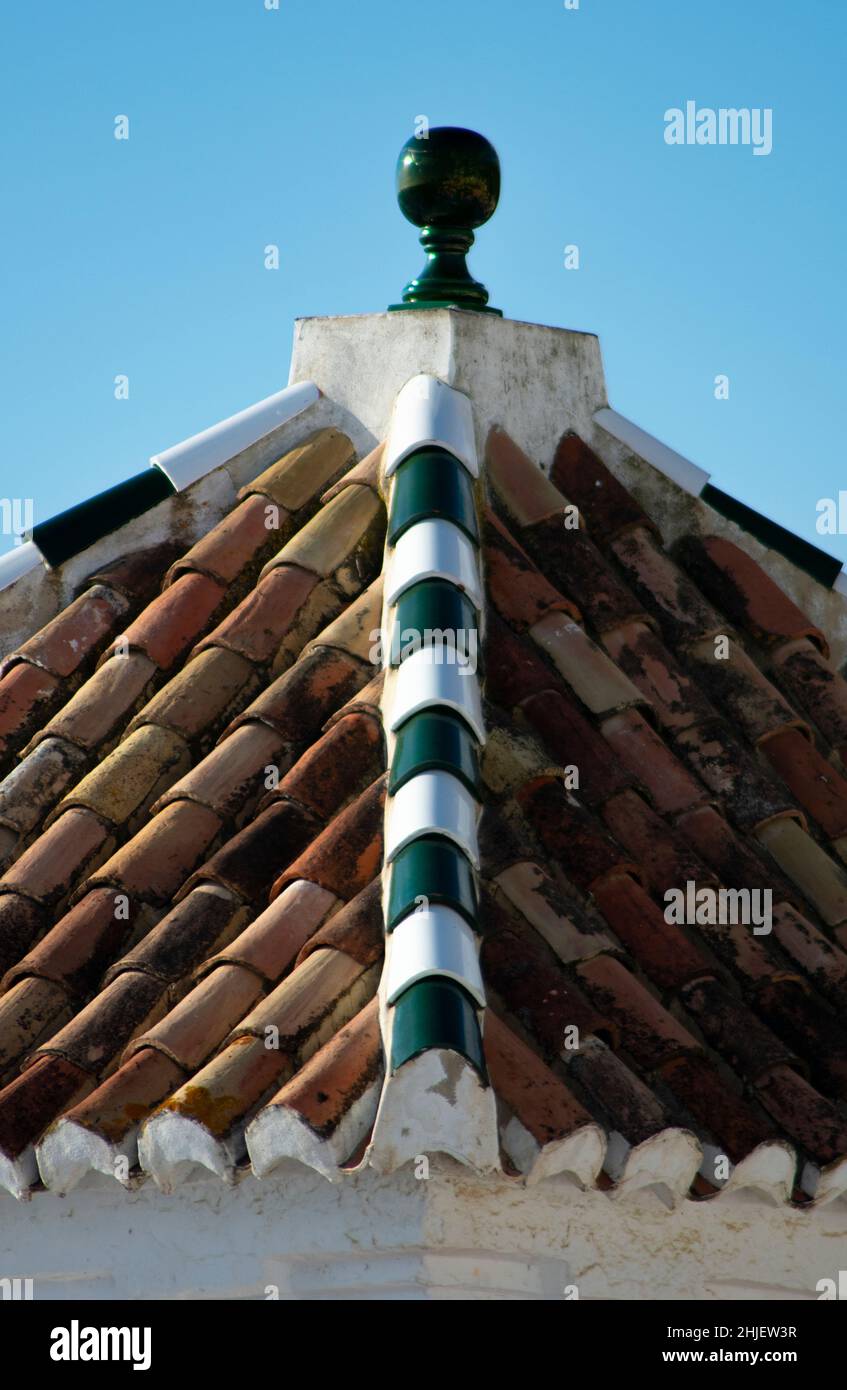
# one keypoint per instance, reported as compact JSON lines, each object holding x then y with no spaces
{"x":445,"y":282}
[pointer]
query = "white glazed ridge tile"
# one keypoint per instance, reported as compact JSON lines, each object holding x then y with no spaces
{"x":19,"y":561}
{"x":433,"y":941}
{"x":431,"y":677}
{"x":433,"y":549}
{"x":674,"y":466}
{"x":184,"y":463}
{"x":432,"y":803}
{"x":427,"y":412}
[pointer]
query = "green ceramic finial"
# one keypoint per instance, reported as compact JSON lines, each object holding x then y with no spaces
{"x":448,"y":183}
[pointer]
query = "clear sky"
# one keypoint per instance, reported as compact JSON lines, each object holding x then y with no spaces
{"x":251,"y":126}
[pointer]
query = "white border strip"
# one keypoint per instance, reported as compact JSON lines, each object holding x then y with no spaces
{"x":184,"y":463}
{"x":17,"y":562}
{"x":680,"y":470}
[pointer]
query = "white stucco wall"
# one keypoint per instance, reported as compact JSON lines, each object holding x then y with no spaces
{"x":453,"y":1235}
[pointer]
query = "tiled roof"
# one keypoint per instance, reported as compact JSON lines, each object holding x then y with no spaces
{"x":220,"y":800}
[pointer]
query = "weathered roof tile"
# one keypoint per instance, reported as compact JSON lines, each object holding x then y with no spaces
{"x":232,"y":744}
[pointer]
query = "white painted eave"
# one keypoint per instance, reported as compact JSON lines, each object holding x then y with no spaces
{"x":18,"y":561}
{"x":680,"y":470}
{"x":193,"y":458}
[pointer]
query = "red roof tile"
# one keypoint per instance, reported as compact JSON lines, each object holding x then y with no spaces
{"x":213,"y":868}
{"x":745,"y":592}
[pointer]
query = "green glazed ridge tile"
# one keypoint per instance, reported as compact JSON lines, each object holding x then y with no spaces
{"x":431,"y":869}
{"x":436,"y":1013}
{"x":435,"y":738}
{"x":432,"y":483}
{"x":434,"y":606}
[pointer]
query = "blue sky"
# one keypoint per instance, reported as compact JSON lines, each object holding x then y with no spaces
{"x":251,"y":126}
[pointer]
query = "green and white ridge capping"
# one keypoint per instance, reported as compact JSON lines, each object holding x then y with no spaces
{"x":436,"y":1096}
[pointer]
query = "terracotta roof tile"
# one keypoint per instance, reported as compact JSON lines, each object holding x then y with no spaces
{"x":126,"y":783}
{"x":822,"y":882}
{"x":745,"y":592}
{"x":25,"y":691}
{"x":343,"y":541}
{"x":33,"y":1099}
{"x":328,"y":988}
{"x":76,"y":951}
{"x":248,"y":863}
{"x":668,"y":783}
{"x":671,"y":693}
{"x":662,"y":850}
{"x":174,"y":620}
{"x":650,"y":1034}
{"x":22,"y":920}
{"x":810,"y":1119}
{"x":682,"y":612}
{"x":338,"y":766}
{"x":751,"y":795}
{"x":299,"y":702}
{"x":71,"y":638}
{"x":297,"y":478}
{"x":517,"y":588}
{"x":270,"y":945}
{"x":733,"y":860}
{"x":232,"y":768}
{"x":614,"y":1092}
{"x":522,"y":488}
{"x":255,"y":629}
{"x":30,"y":1010}
{"x":581,"y":571}
{"x":364,"y":474}
{"x":733,"y":1031}
{"x":201,"y":698}
{"x":347,"y":855}
{"x":575,"y":840}
{"x":663,"y":951}
{"x":518,"y":966}
{"x":118,"y":1104}
{"x":157,"y":860}
{"x":34,"y":786}
{"x":604,"y":502}
{"x":742,"y":691}
{"x":139,"y":574}
{"x":51,"y":867}
{"x":321,"y":1095}
{"x":542,"y":1102}
{"x":817,"y":785}
{"x":822,"y":961}
{"x":204,"y":922}
{"x":234,"y":774}
{"x":243,"y":539}
{"x":736,"y":1125}
{"x":356,"y":929}
{"x":96,"y":713}
{"x":799,"y":1020}
{"x":819,"y":690}
{"x":201,"y":1021}
{"x":564,"y":925}
{"x":353,"y":630}
{"x":592,"y":676}
{"x":575,"y":742}
{"x":98,"y":1033}
{"x":225,"y":1090}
